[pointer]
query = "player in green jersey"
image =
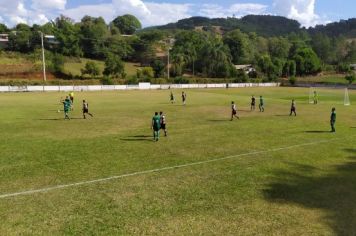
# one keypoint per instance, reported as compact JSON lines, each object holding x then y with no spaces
{"x":156,"y":126}
{"x":67,"y":106}
{"x":262,"y":104}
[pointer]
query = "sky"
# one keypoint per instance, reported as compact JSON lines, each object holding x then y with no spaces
{"x":158,"y":12}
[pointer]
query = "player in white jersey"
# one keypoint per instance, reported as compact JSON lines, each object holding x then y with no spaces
{"x":234,"y":111}
{"x":163,"y":123}
{"x":86,"y":109}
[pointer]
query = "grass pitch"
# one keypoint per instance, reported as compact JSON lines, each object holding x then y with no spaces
{"x":303,"y":190}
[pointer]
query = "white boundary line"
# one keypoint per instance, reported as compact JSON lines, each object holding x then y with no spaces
{"x":43,"y":190}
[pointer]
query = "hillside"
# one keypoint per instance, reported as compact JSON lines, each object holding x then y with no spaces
{"x":263,"y":25}
{"x":346,"y":28}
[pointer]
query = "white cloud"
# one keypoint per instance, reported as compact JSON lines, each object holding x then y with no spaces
{"x":238,"y":9}
{"x":106,"y":11}
{"x":49,"y":4}
{"x":14,"y":12}
{"x":300,"y":10}
{"x":163,"y":13}
{"x":149,"y":13}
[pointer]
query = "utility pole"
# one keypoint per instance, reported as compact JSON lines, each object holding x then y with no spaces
{"x":168,"y":62}
{"x":43,"y":59}
{"x":170,"y":43}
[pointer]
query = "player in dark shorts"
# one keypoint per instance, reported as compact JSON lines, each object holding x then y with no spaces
{"x":172,"y":98}
{"x":86,"y":109}
{"x":163,"y":123}
{"x":262,"y":104}
{"x":184,"y":98}
{"x":253,"y":103}
{"x":66,"y":106}
{"x":234,"y":111}
{"x":156,"y":126}
{"x":333,"y":120}
{"x":293,"y":108}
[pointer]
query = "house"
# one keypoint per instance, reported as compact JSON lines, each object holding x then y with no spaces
{"x":247,"y":68}
{"x":51,"y":39}
{"x":4,"y":40}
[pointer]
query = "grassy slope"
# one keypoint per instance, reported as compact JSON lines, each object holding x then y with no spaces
{"x":75,"y":68}
{"x":328,"y":79}
{"x":307,"y":190}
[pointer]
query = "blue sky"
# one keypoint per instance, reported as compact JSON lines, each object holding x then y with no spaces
{"x":157,"y":12}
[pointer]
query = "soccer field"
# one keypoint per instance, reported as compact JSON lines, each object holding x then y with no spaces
{"x":265,"y":174}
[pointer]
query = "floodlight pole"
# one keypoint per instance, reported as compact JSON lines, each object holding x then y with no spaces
{"x":43,"y":59}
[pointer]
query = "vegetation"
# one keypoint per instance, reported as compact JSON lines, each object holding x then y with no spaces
{"x":284,"y":192}
{"x":275,"y":46}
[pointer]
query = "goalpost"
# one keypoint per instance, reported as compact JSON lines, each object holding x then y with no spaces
{"x":346,"y":98}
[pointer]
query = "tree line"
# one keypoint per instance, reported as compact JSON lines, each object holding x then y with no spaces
{"x":205,"y":52}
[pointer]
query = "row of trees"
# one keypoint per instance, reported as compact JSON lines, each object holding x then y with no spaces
{"x":206,"y":53}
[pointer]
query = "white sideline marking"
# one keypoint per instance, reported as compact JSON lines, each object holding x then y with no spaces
{"x":42,"y":190}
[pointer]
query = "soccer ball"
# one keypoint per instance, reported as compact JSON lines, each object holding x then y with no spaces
{"x":59,"y":111}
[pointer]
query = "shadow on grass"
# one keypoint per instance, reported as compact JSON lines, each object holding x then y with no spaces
{"x":141,"y":136}
{"x":335,"y":192}
{"x":316,"y":131}
{"x":138,"y":138}
{"x":57,"y":119}
{"x":219,"y":120}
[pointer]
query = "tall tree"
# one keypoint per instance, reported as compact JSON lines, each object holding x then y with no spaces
{"x":239,"y":48}
{"x":127,"y":24}
{"x":93,"y":33}
{"x":67,"y":35}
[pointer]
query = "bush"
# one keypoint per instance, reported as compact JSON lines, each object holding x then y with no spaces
{"x":145,"y":73}
{"x":132,"y":80}
{"x":91,"y":68}
{"x":107,"y":81}
{"x":292,"y":80}
{"x":351,"y":78}
{"x":343,"y":68}
{"x":241,"y":77}
{"x":181,"y":80}
{"x":114,"y":66}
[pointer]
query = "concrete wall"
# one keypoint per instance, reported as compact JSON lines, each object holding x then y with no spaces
{"x":144,"y":86}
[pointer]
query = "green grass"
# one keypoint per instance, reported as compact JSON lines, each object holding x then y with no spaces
{"x":327,"y":79}
{"x":307,"y":190}
{"x":74,"y":68}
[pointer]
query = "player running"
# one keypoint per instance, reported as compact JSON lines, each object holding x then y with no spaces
{"x":163,"y":123}
{"x":67,"y":106}
{"x":86,"y":109}
{"x":234,"y":111}
{"x":184,"y":97}
{"x":253,"y":103}
{"x":173,"y":100}
{"x":156,"y":126}
{"x":333,"y":120}
{"x":262,"y":104}
{"x":293,"y":108}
